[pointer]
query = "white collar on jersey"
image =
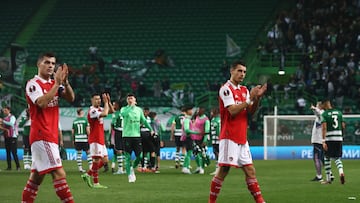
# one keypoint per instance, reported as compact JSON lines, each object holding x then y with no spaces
{"x":42,"y":80}
{"x":233,"y":85}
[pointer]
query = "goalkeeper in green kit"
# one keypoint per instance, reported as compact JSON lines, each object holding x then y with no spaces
{"x":132,"y":118}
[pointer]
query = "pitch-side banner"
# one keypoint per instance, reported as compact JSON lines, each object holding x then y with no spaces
{"x":280,"y":153}
{"x":68,"y":115}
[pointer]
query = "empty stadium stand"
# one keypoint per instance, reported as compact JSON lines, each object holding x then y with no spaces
{"x":192,"y":33}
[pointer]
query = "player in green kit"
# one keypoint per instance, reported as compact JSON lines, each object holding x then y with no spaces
{"x":215,"y":125}
{"x":80,"y":132}
{"x":201,"y":123}
{"x":116,"y":125}
{"x":133,"y":116}
{"x":157,"y":139}
{"x":176,"y":131}
{"x":186,"y":138}
{"x":333,"y":126}
{"x":25,"y":122}
{"x":148,"y":148}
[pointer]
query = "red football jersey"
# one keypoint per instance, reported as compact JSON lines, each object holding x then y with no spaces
{"x":96,"y":122}
{"x":45,"y":121}
{"x":233,"y":127}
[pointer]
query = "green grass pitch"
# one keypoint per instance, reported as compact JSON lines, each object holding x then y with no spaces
{"x":281,"y":181}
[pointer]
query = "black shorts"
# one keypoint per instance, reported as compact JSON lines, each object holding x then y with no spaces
{"x":119,"y":145}
{"x":156,"y":142}
{"x":132,"y":144}
{"x":215,"y":148}
{"x":26,"y":142}
{"x":147,"y":142}
{"x":334,"y":149}
{"x":82,"y":146}
{"x":178,"y":142}
{"x":188,"y":144}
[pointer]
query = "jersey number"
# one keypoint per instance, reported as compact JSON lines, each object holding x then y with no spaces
{"x":335,"y":121}
{"x":80,"y":129}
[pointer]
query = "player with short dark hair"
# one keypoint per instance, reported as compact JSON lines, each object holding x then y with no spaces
{"x":117,"y":127}
{"x":25,"y":123}
{"x":176,"y":131}
{"x":333,"y":126}
{"x":156,"y":139}
{"x":42,"y":96}
{"x":98,"y":148}
{"x":236,"y":102}
{"x":215,"y":127}
{"x":80,"y":132}
{"x":148,"y":147}
{"x":316,"y":141}
{"x":186,"y":138}
{"x":133,"y":116}
{"x":201,"y":124}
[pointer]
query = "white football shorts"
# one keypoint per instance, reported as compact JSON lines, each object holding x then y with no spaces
{"x":98,"y":150}
{"x":45,"y":157}
{"x":233,"y":154}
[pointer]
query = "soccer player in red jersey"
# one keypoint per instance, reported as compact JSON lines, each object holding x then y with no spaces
{"x":42,"y":95}
{"x":98,"y":150}
{"x":235,"y":103}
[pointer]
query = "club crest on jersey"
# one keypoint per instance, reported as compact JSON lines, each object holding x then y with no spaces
{"x":32,"y":88}
{"x":226,"y":93}
{"x":243,"y":95}
{"x":93,"y":111}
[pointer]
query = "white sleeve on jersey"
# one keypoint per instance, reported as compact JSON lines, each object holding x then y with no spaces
{"x":94,"y":112}
{"x":226,"y":96}
{"x":33,"y":90}
{"x":60,"y":128}
{"x":247,"y":96}
{"x":318,"y":112}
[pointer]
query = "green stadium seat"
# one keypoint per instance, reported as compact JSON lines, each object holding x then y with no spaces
{"x":194,"y":38}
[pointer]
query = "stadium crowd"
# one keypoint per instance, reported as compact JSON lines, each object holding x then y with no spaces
{"x":327,"y":35}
